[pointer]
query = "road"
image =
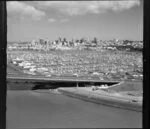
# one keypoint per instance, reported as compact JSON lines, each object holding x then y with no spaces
{"x":45,"y":109}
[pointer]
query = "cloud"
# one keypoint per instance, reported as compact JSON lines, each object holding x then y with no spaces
{"x":64,"y":20}
{"x":51,"y":20}
{"x":23,"y":10}
{"x":74,"y":8}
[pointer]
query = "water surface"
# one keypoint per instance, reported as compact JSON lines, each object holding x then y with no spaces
{"x":44,"y":109}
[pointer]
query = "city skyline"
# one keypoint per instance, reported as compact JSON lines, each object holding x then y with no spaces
{"x":105,"y":20}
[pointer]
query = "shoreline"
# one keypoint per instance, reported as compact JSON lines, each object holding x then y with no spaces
{"x":104,"y":98}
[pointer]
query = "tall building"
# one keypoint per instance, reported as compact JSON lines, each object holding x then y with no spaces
{"x":33,"y":43}
{"x":41,"y":41}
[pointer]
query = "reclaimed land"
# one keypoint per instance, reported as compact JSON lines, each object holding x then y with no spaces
{"x":116,"y":99}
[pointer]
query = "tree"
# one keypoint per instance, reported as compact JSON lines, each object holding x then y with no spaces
{"x":126,"y":41}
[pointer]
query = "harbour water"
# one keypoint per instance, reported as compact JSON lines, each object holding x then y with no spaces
{"x":45,"y":109}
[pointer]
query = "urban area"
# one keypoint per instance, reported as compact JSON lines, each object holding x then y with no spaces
{"x":88,"y":58}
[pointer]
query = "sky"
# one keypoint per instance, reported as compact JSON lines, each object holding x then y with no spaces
{"x":106,"y":20}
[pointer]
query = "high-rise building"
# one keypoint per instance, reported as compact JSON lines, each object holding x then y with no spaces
{"x":41,"y":41}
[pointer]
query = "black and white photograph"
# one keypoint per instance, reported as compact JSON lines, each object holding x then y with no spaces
{"x":74,"y":64}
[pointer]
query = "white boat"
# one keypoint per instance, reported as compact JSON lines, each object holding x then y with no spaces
{"x":26,"y":67}
{"x":42,"y":69}
{"x":32,"y":70}
{"x":14,"y":62}
{"x":20,"y":64}
{"x":96,"y":73}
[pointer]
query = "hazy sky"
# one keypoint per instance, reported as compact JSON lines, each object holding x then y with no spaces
{"x":27,"y":21}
